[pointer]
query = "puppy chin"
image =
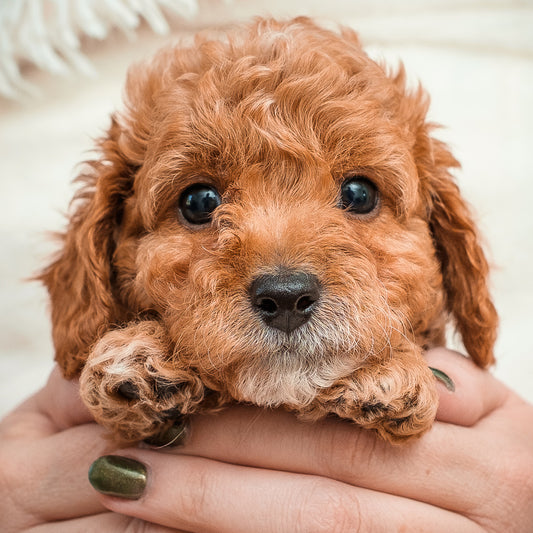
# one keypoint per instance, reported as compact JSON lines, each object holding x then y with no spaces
{"x":292,"y":369}
{"x":277,"y":369}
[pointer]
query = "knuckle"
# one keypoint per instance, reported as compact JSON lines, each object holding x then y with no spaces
{"x":195,"y":502}
{"x":9,"y":470}
{"x":343,"y":447}
{"x":509,"y":470}
{"x":513,"y":475}
{"x":14,"y":501}
{"x":136,"y":525}
{"x":516,"y":473}
{"x":329,"y":507}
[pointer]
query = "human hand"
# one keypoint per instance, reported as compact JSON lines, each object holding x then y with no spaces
{"x":46,"y":447}
{"x":247,"y":469}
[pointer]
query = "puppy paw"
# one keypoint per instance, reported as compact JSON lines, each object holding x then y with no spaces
{"x":131,"y":386}
{"x":399,"y":406}
{"x":400,"y":418}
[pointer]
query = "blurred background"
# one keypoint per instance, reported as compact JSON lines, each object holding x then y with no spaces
{"x":62,"y":66}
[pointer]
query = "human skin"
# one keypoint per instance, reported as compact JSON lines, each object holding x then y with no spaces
{"x":247,"y":469}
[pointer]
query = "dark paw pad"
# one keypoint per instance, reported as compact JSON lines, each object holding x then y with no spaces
{"x":373,"y":409}
{"x":398,"y":422}
{"x":128,"y":391}
{"x":164,"y":390}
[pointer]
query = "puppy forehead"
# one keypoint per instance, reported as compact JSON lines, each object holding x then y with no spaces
{"x":295,"y":104}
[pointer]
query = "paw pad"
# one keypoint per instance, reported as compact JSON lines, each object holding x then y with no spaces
{"x":128,"y":391}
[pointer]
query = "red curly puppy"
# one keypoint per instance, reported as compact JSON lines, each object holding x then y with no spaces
{"x":271,"y":222}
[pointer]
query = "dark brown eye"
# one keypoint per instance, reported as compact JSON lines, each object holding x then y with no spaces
{"x":198,"y":202}
{"x":359,"y":195}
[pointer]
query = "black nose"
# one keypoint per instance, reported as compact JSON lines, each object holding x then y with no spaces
{"x":285,"y":301}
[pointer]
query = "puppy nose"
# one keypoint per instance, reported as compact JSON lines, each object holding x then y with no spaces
{"x":285,"y":301}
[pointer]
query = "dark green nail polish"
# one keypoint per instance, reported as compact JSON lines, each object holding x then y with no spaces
{"x":174,"y":436}
{"x":443,"y":378}
{"x":114,"y":475}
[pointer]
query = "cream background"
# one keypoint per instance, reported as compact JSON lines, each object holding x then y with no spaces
{"x":476,"y":60}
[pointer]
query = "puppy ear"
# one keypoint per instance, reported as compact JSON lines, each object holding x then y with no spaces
{"x":464,"y":266}
{"x":80,"y":278}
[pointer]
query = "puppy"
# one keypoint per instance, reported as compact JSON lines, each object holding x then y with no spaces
{"x":269,"y":221}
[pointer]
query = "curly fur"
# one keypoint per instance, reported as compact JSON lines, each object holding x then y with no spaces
{"x":275,"y":115}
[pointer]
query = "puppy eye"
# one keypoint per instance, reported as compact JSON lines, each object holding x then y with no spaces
{"x":198,"y":202}
{"x":359,"y":195}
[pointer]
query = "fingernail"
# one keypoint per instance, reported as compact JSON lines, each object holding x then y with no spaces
{"x":443,"y":378}
{"x":172,"y":437}
{"x":115,"y":475}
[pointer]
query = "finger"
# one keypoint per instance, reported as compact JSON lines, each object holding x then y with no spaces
{"x":199,"y":494}
{"x":48,"y":478}
{"x":99,"y":523}
{"x":427,"y":470}
{"x":60,"y":400}
{"x":477,"y":392}
{"x":55,"y":407}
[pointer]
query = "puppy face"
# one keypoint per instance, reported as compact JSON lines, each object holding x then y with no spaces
{"x":279,"y":148}
{"x":275,"y":198}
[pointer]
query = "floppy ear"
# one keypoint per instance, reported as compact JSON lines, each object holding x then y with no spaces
{"x":80,"y":278}
{"x":463,"y":263}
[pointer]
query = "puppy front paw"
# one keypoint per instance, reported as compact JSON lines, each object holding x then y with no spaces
{"x":399,"y":405}
{"x":131,"y":386}
{"x":400,"y":416}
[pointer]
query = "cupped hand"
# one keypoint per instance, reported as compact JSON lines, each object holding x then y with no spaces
{"x":46,"y":447}
{"x":251,"y":470}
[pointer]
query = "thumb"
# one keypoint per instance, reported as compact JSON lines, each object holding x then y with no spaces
{"x":58,"y":404}
{"x":477,"y":392}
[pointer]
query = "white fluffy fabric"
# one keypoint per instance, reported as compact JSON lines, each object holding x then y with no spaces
{"x":48,"y":33}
